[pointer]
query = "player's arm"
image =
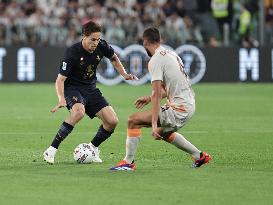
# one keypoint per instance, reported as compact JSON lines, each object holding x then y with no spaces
{"x":163,"y":92}
{"x":119,"y":67}
{"x":59,"y":85}
{"x":144,"y":100}
{"x":156,"y":99}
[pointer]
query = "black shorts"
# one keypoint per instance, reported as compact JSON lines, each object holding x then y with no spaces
{"x":92,"y":100}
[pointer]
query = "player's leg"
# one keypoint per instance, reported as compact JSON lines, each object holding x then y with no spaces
{"x":97,"y":106}
{"x":76,"y":114}
{"x":135,"y":122}
{"x":171,"y":121}
{"x":182,"y":143}
{"x":75,"y":103}
{"x":109,"y":122}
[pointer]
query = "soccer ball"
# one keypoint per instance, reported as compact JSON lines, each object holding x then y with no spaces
{"x":84,"y":153}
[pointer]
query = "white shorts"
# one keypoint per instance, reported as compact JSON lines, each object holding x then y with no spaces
{"x":171,"y":120}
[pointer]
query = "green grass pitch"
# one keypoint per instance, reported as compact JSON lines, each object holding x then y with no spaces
{"x":233,"y":122}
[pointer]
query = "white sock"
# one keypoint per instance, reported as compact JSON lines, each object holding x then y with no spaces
{"x":53,"y":149}
{"x":180,"y":142}
{"x":131,"y":147}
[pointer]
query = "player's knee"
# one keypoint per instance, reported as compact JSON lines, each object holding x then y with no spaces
{"x":169,"y":136}
{"x":131,"y":121}
{"x":113,"y":123}
{"x":78,"y":114}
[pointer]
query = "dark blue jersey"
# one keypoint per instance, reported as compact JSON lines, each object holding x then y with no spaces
{"x":79,"y":66}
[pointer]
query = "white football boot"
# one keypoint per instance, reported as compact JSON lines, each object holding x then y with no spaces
{"x":97,"y":154}
{"x":49,"y":154}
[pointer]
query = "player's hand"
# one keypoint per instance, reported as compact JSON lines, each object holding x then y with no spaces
{"x":130,"y":77}
{"x":61,"y":104}
{"x":142,"y":101}
{"x":155,"y":133}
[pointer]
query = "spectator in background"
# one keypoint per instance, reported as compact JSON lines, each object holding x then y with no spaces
{"x":269,"y":22}
{"x":244,"y":27}
{"x":2,"y":34}
{"x":72,"y":37}
{"x":4,"y":22}
{"x":115,"y":33}
{"x":41,"y":29}
{"x":51,"y":22}
{"x":190,"y":7}
{"x":133,"y":29}
{"x":168,"y":8}
{"x":153,"y":10}
{"x":222,"y":11}
{"x":192,"y":33}
{"x":244,"y":24}
{"x":177,"y":31}
{"x":208,"y":24}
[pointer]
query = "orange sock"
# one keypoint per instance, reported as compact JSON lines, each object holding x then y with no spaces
{"x":133,"y":138}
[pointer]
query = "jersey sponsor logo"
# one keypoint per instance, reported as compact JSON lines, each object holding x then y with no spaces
{"x":64,"y":65}
{"x":135,"y":61}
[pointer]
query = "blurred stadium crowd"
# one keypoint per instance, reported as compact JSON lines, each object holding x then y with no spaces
{"x":201,"y":22}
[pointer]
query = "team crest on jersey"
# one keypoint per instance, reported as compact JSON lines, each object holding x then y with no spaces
{"x":163,"y":53}
{"x":98,"y":58}
{"x":75,"y":98}
{"x":89,"y":72}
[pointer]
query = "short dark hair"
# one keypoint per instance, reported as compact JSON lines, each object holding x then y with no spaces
{"x":90,"y":27}
{"x":152,"y":35}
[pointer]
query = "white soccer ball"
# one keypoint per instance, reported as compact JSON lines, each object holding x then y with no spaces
{"x":84,"y":153}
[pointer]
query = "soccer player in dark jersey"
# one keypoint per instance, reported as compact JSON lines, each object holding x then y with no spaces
{"x":76,"y":88}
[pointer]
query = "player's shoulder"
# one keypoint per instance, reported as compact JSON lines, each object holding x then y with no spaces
{"x":105,"y":49}
{"x":155,"y":62}
{"x":103,"y":43}
{"x":161,"y":52}
{"x":157,"y":57}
